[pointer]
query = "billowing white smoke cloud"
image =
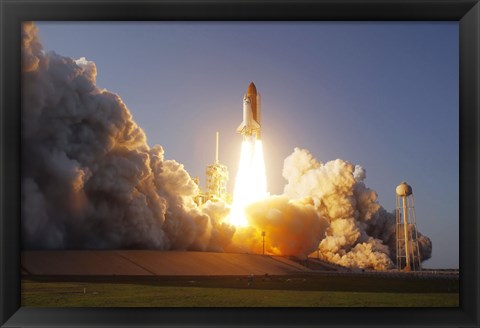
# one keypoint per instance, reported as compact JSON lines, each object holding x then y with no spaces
{"x":89,"y":179}
{"x":360,"y":233}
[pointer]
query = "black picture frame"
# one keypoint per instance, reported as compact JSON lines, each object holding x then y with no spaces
{"x":13,"y":12}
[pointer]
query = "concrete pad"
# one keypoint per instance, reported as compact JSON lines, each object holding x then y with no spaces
{"x":295,"y":265}
{"x":79,"y":263}
{"x":158,"y":263}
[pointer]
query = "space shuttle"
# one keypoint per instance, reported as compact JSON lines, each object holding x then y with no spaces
{"x":251,"y":113}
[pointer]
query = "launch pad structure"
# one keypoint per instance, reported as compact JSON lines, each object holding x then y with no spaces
{"x":217,"y":178}
{"x":217,"y":174}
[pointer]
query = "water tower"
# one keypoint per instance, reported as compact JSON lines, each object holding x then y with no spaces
{"x":408,"y":252}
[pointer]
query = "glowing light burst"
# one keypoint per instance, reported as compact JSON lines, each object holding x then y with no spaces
{"x":250,"y":183}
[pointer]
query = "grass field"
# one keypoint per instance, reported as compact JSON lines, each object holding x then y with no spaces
{"x":298,"y":291}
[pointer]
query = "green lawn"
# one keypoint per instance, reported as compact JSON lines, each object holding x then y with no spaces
{"x":121,"y":294}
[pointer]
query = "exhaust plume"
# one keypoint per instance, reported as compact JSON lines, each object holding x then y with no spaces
{"x":292,"y":227}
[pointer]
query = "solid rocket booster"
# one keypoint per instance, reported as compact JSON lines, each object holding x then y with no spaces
{"x":251,"y":113}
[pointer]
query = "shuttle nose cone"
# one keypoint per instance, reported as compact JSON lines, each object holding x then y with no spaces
{"x":251,"y":90}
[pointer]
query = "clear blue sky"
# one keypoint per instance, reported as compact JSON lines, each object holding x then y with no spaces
{"x":382,"y":95}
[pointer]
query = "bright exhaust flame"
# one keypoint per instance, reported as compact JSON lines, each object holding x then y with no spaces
{"x":250,"y":183}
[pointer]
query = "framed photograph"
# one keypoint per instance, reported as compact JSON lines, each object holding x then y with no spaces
{"x":198,"y":163}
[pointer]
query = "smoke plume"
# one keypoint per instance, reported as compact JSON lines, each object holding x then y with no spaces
{"x":360,"y":232}
{"x":89,"y":179}
{"x":291,"y":227}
